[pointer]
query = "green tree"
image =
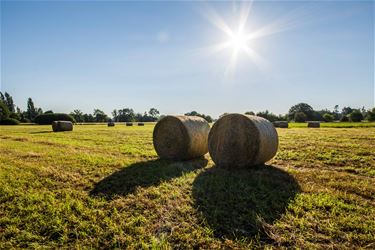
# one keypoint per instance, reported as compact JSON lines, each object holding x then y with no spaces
{"x":9,"y":102}
{"x":300,"y":117}
{"x":195,"y":113}
{"x":4,"y":111}
{"x":153,"y":112}
{"x":268,"y":115}
{"x":328,"y":117}
{"x":77,"y":115}
{"x":356,"y":116}
{"x":301,"y":107}
{"x":100,"y":116}
{"x":371,"y":115}
{"x":31,"y":112}
{"x":249,"y":113}
{"x":115,"y":115}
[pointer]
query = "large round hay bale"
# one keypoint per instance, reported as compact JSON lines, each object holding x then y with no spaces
{"x":313,"y":124}
{"x":111,"y":124}
{"x":281,"y":124}
{"x":58,"y":126}
{"x":237,"y":140}
{"x":181,"y":137}
{"x":141,"y":124}
{"x":129,"y":124}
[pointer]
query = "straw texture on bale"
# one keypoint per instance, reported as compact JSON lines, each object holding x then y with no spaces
{"x":129,"y":124}
{"x":313,"y":124}
{"x":62,"y":126}
{"x":181,"y":137}
{"x":280,"y":124}
{"x":111,"y":124}
{"x":237,"y":140}
{"x":141,"y":124}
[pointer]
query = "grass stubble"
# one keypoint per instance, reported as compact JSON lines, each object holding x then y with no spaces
{"x":104,"y":187}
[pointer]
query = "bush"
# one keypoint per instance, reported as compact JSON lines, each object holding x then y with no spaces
{"x":356,"y":116}
{"x":15,"y":116}
{"x":328,"y":117}
{"x":344,"y":118}
{"x":45,"y":119}
{"x":4,"y":111}
{"x":371,"y":115}
{"x":9,"y":121}
{"x":300,"y":117}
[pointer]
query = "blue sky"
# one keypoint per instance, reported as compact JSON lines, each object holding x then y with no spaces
{"x":106,"y":55}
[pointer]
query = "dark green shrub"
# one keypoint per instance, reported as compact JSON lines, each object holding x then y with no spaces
{"x":328,"y":117}
{"x":356,"y":116}
{"x":4,"y":111}
{"x":344,"y":118}
{"x":300,"y":117}
{"x":45,"y":119}
{"x":371,"y":115}
{"x":15,"y":116}
{"x":9,"y":121}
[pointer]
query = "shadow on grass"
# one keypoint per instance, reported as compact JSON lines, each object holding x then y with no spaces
{"x":241,"y":203}
{"x":41,"y":132}
{"x":144,"y":174}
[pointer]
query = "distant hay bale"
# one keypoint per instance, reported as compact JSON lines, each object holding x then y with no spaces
{"x":237,"y":140}
{"x":313,"y":124}
{"x":129,"y":124}
{"x":141,"y":124}
{"x":58,"y":126}
{"x":281,"y":124}
{"x":181,"y":137}
{"x":111,"y":124}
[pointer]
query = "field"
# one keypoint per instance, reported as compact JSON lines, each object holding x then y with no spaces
{"x":101,"y":187}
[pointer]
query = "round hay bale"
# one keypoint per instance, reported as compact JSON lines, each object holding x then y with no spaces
{"x":237,"y":140}
{"x":313,"y":124}
{"x":58,"y":126}
{"x":181,"y":137}
{"x":141,"y":124}
{"x":111,"y":124}
{"x":129,"y":124}
{"x":281,"y":124}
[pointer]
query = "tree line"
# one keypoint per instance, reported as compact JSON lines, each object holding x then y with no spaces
{"x":301,"y":112}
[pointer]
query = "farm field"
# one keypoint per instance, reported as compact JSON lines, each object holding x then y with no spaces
{"x":104,"y":187}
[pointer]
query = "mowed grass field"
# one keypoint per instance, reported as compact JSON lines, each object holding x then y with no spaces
{"x":104,"y":187}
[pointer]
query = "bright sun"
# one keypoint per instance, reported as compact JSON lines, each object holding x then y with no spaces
{"x":238,"y":41}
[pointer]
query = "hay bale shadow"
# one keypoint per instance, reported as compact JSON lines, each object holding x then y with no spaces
{"x":41,"y":132}
{"x":143,"y":174}
{"x":240,"y":203}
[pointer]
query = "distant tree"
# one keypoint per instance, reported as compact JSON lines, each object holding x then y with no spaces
{"x":88,"y":118}
{"x":268,"y":115}
{"x":346,"y":111}
{"x":31,"y":112}
{"x":15,"y":116}
{"x":126,"y":115}
{"x":344,"y":118}
{"x":77,"y":115}
{"x":100,"y":116}
{"x":356,"y":116}
{"x":114,"y":115}
{"x":249,"y":113}
{"x":48,"y":112}
{"x":9,"y":102}
{"x":2,"y":98}
{"x":300,"y":117}
{"x":153,"y":112}
{"x":371,"y":115}
{"x":328,"y":117}
{"x":301,"y":107}
{"x":4,"y":111}
{"x":195,"y":113}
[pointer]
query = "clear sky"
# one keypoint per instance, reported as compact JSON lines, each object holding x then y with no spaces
{"x":107,"y":55}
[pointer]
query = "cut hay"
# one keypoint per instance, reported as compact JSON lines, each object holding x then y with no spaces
{"x":129,"y":124}
{"x":58,"y":126}
{"x":281,"y":124}
{"x":181,"y":137}
{"x":141,"y":124}
{"x":237,"y":140}
{"x":313,"y":124}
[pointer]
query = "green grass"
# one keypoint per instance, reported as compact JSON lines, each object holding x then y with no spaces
{"x":101,"y":187}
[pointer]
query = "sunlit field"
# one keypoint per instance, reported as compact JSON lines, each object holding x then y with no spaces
{"x":102,"y":187}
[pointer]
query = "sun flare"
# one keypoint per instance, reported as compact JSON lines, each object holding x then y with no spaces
{"x":238,"y":41}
